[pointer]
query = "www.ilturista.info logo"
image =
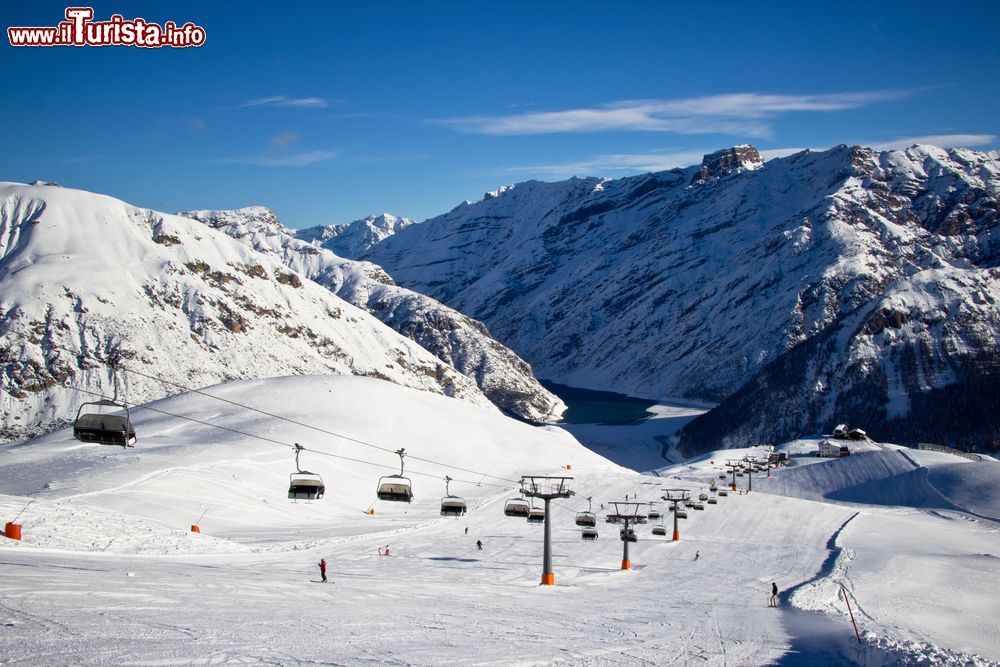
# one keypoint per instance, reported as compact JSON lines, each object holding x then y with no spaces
{"x":79,"y":29}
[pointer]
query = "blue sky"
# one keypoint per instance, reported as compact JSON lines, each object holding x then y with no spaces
{"x":327,"y":112}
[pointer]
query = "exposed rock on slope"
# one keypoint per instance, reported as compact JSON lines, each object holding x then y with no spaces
{"x":690,"y":282}
{"x":456,"y":339}
{"x":86,"y":279}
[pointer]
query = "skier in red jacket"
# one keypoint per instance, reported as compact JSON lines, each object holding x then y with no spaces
{"x":322,"y":569}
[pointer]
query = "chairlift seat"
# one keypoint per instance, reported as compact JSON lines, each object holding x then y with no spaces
{"x":587,"y":519}
{"x":654,"y":515}
{"x":452,"y":506}
{"x":723,"y":492}
{"x":659,"y":530}
{"x":631,"y":537}
{"x":698,"y":506}
{"x":588,"y":534}
{"x":106,"y":429}
{"x":712,"y":501}
{"x":536,"y":515}
{"x":305,"y":485}
{"x":395,"y":488}
{"x":516,"y":507}
{"x":682,"y":514}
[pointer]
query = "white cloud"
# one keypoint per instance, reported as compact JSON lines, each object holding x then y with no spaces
{"x":942,"y":140}
{"x":619,"y":162}
{"x":740,"y":113}
{"x":283,"y":101}
{"x":283,"y":160}
{"x":284,"y":140}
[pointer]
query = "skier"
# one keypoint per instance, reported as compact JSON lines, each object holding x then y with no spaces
{"x":479,"y":544}
{"x":466,"y":530}
{"x":387,"y":550}
{"x":774,"y":595}
{"x":697,"y":554}
{"x":322,"y":569}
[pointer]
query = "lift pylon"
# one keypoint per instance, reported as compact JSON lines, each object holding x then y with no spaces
{"x":546,"y":488}
{"x":676,"y":496}
{"x":627,"y":512}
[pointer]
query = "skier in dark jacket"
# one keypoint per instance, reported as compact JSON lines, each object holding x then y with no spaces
{"x":479,"y":544}
{"x":322,"y":569}
{"x":774,"y":595}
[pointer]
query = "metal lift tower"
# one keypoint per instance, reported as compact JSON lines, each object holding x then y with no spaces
{"x":627,"y":512}
{"x":676,"y":496}
{"x":546,"y":488}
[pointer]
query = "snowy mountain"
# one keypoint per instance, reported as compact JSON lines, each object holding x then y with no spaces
{"x":87,"y":281}
{"x":456,"y":339}
{"x":354,"y":238}
{"x":868,"y":279}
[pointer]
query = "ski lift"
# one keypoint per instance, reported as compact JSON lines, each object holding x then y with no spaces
{"x":682,"y":514}
{"x":302,"y":484}
{"x":451,"y":505}
{"x":587,"y":519}
{"x":630,"y":536}
{"x":95,"y":423}
{"x":723,"y":492}
{"x":722,"y":476}
{"x":739,"y":473}
{"x":536,"y":514}
{"x":589,"y":534}
{"x":702,"y":496}
{"x":659,"y":529}
{"x":654,"y":513}
{"x":516,"y":507}
{"x":396,"y":487}
{"x":712,"y":500}
{"x":698,"y":506}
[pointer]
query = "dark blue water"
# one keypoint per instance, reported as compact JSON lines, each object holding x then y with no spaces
{"x":589,"y":406}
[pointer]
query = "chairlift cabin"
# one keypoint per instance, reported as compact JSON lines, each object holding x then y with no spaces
{"x":516,"y":507}
{"x":659,"y":529}
{"x":302,"y":484}
{"x":630,"y":537}
{"x":396,"y":488}
{"x":96,"y":423}
{"x":712,"y":501}
{"x":654,"y":513}
{"x":723,"y":492}
{"x":451,"y":505}
{"x":305,"y":485}
{"x":698,"y":506}
{"x":587,"y":519}
{"x":589,"y":534}
{"x":536,"y":515}
{"x":703,"y":496}
{"x":682,"y":514}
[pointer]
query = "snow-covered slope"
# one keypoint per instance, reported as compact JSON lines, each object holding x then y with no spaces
{"x":87,"y":279}
{"x":108,"y":570}
{"x":690,"y":282}
{"x":355,"y":238}
{"x":456,"y":339}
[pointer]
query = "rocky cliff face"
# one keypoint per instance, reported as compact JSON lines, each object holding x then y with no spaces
{"x":87,"y":281}
{"x":872,"y":275}
{"x":457,"y":340}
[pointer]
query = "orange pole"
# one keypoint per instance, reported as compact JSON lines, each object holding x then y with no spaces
{"x":626,"y":565}
{"x":549,"y":579}
{"x":677,"y":536}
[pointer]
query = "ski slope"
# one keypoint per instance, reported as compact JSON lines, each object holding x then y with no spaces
{"x":109,"y":572}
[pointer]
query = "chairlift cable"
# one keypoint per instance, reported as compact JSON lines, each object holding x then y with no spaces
{"x":259,"y":411}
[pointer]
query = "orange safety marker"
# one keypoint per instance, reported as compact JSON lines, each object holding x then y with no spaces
{"x":677,"y":536}
{"x":12,"y":530}
{"x":626,"y":565}
{"x":549,"y":579}
{"x":195,"y":528}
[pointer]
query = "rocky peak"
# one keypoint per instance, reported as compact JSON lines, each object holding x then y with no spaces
{"x":726,"y":161}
